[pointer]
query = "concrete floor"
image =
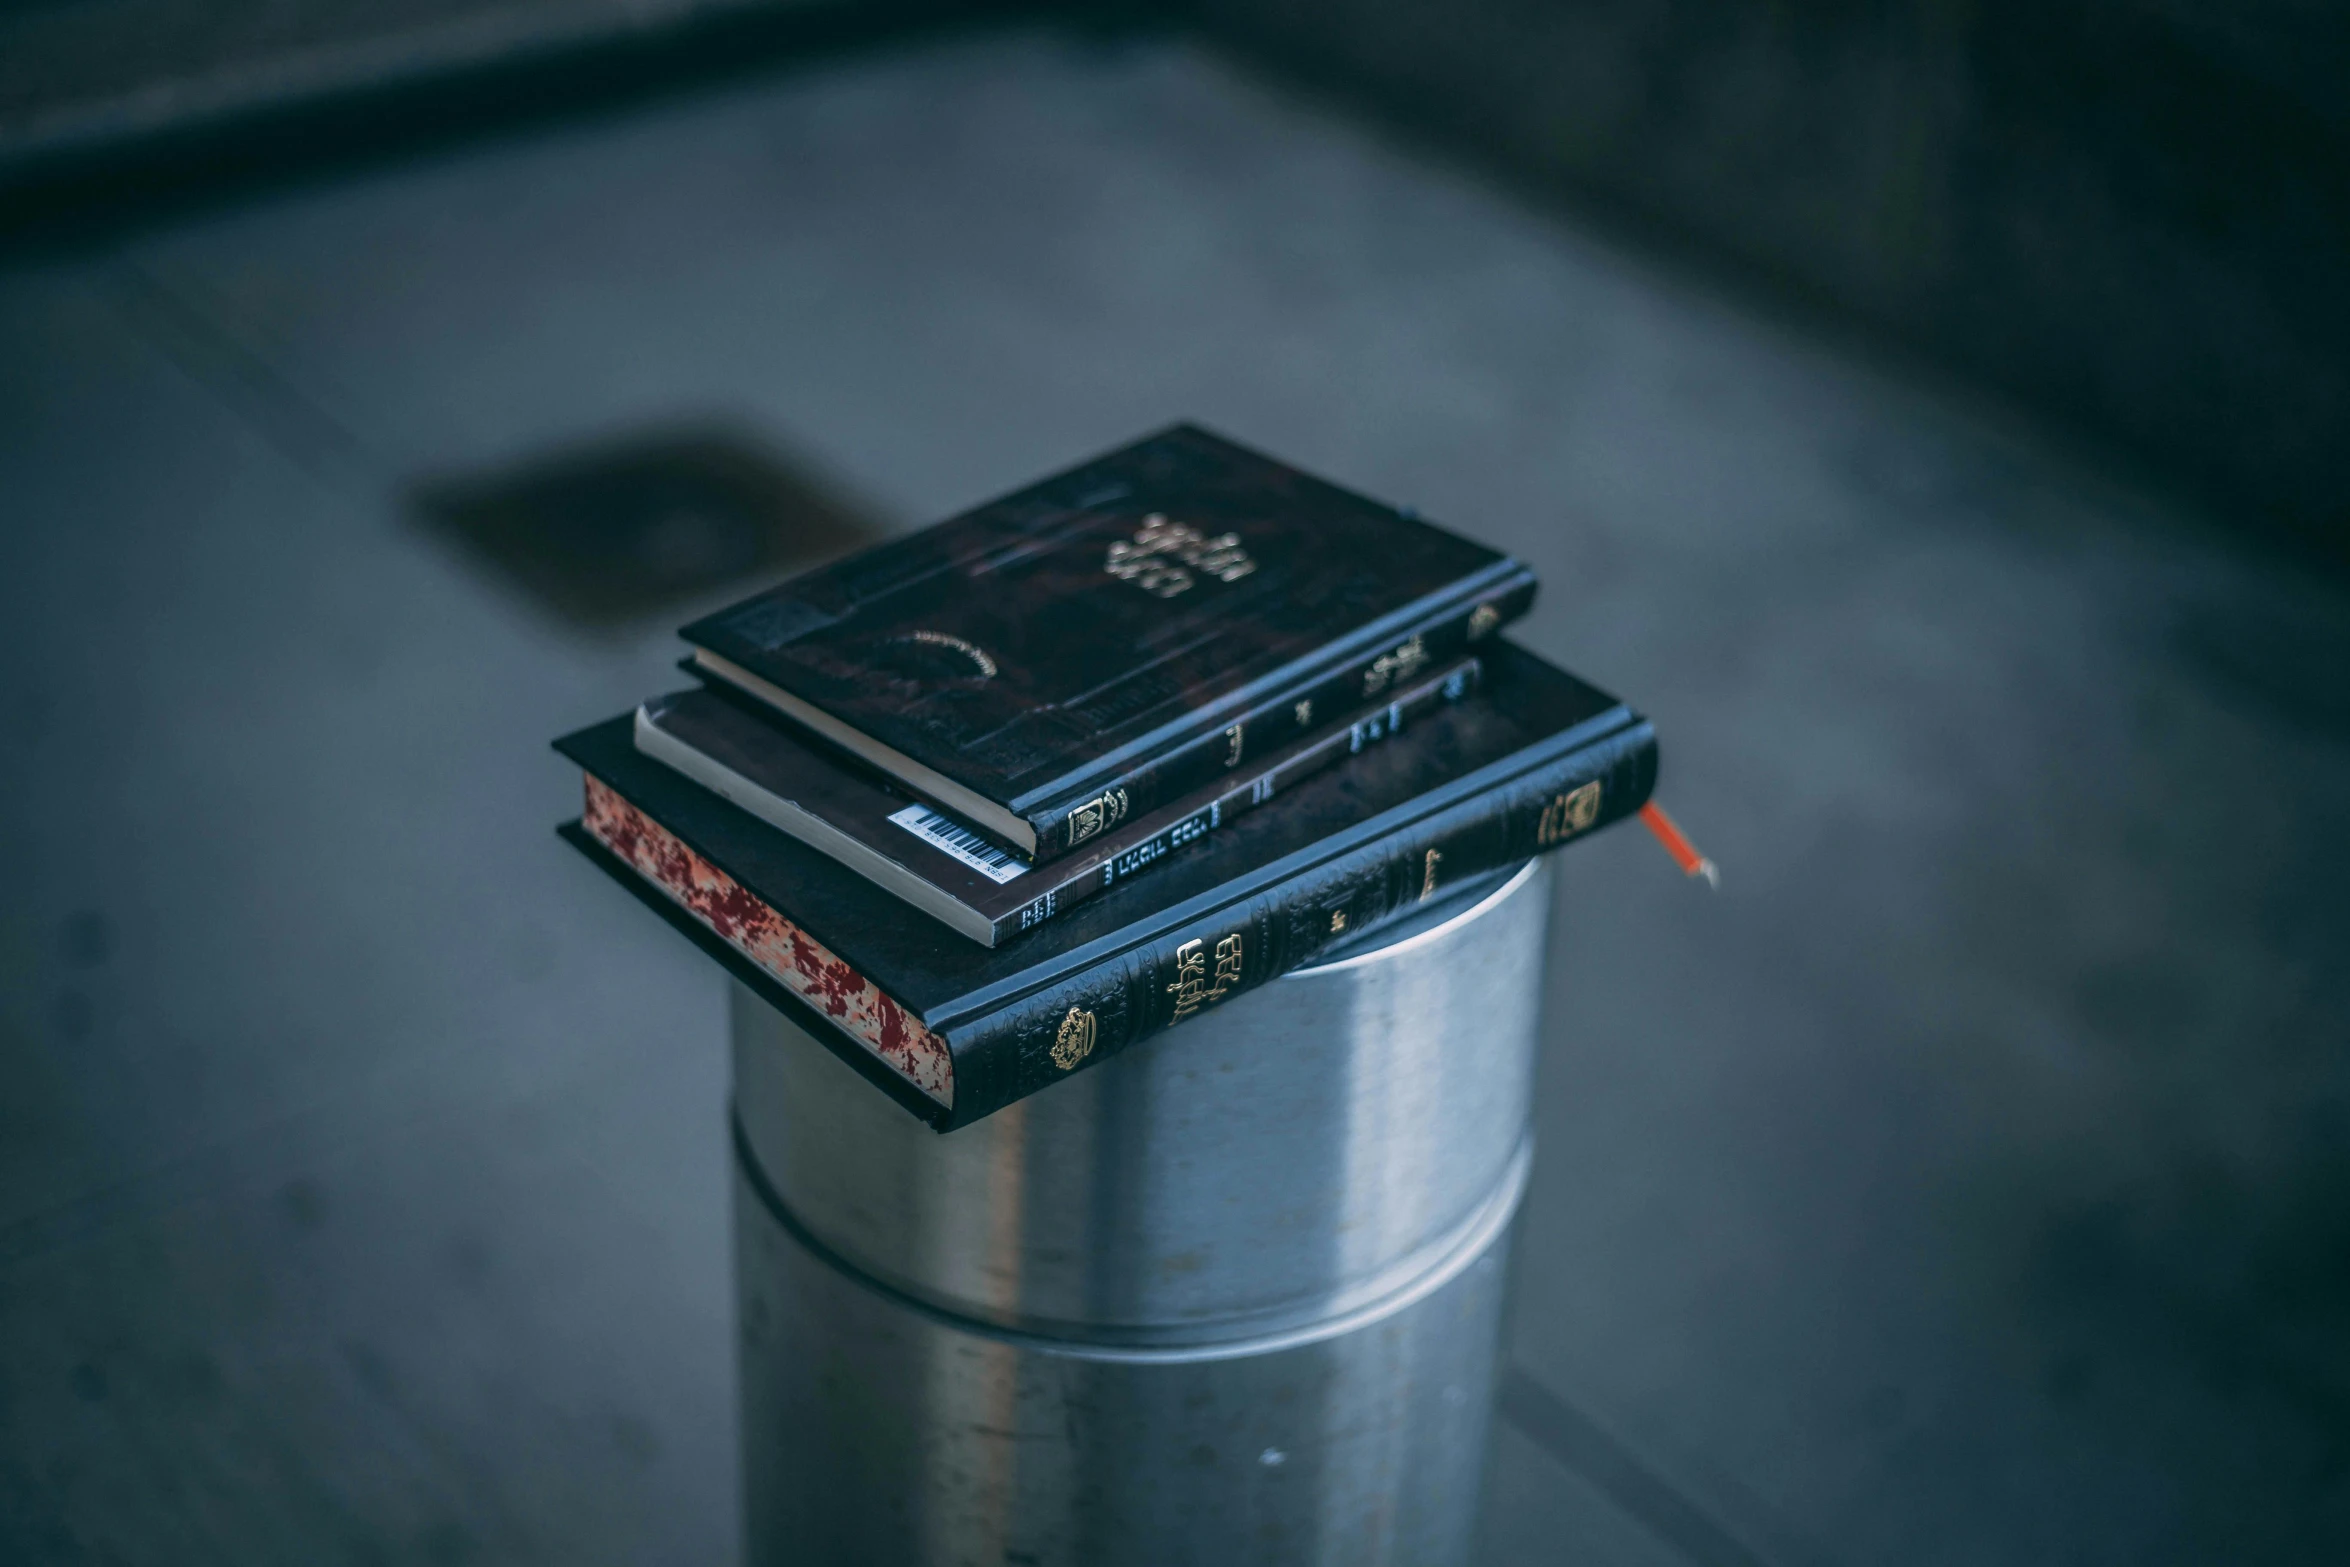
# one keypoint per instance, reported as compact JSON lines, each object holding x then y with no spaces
{"x":1969,"y":1181}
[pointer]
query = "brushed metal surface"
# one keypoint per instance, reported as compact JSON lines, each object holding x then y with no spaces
{"x":875,"y":1430}
{"x":1294,"y":1156}
{"x":1234,"y":1296}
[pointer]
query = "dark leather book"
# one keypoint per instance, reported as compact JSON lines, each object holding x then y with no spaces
{"x":1089,"y":649}
{"x":954,"y":1031}
{"x":940,"y":866}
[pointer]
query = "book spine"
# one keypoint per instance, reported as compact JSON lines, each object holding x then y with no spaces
{"x":1068,"y":823}
{"x":1411,"y":704}
{"x":788,"y":955}
{"x":1118,"y":1003}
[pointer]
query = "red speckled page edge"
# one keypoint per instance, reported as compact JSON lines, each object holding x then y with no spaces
{"x":749,"y":925}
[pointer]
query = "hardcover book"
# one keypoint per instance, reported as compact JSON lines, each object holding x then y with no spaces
{"x":954,"y":1031}
{"x":940,"y":866}
{"x":1085,"y":651}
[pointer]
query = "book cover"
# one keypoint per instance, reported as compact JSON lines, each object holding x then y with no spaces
{"x":954,"y":1031}
{"x":938,"y":865}
{"x":1095,"y":646}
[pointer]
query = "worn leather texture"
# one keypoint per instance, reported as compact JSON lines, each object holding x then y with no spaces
{"x":1103,"y":634}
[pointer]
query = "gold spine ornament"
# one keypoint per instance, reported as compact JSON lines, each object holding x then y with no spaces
{"x":1567,"y":815}
{"x":1075,"y":1040}
{"x":1096,"y":816}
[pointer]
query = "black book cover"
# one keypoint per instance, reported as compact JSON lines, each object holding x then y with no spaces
{"x":940,"y":866}
{"x":1097,"y":645}
{"x":954,"y":1031}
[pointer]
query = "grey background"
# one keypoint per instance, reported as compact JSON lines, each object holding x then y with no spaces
{"x":82,"y":74}
{"x":2133,"y":215}
{"x":1964,"y":1183}
{"x":2130,"y":216}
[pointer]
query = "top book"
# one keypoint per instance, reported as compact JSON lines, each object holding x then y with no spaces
{"x":1074,"y":654}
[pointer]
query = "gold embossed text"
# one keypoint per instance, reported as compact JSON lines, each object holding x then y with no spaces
{"x":1195,"y":985}
{"x":1163,"y":555}
{"x":1389,"y":668}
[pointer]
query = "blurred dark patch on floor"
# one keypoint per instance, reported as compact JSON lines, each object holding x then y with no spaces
{"x":636,"y":525}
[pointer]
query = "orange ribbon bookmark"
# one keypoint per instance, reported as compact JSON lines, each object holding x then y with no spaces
{"x":1677,"y":844}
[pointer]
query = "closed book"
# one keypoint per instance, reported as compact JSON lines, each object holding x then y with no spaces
{"x":940,"y":866}
{"x":954,"y":1031}
{"x":1092,"y":648}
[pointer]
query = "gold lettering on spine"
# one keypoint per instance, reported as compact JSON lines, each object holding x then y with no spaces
{"x":1227,"y":966}
{"x":1195,"y":986}
{"x":1234,"y":737}
{"x":1075,"y":1041}
{"x":1428,"y":873}
{"x":1483,"y":619}
{"x":1391,"y":668}
{"x":1567,"y":815}
{"x":1191,"y":978}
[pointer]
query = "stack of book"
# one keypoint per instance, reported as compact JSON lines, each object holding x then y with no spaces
{"x":990,"y":803}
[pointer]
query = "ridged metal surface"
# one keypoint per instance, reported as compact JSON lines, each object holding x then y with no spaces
{"x":874,"y":1432}
{"x":1232,"y":1296}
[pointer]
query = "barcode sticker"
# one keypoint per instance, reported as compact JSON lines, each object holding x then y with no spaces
{"x":997,"y":865}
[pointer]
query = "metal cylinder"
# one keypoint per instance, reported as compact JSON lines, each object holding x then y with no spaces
{"x":1233,"y":1295}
